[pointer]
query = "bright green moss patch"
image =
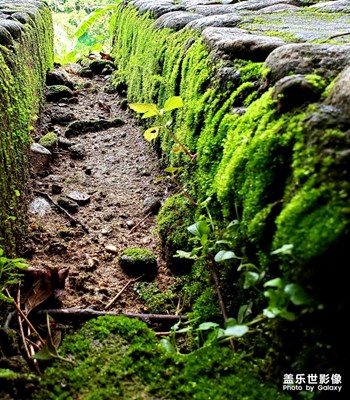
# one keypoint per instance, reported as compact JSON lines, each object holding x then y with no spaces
{"x":138,"y":261}
{"x":120,"y":358}
{"x":49,"y":140}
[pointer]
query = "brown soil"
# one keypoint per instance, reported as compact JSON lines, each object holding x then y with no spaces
{"x":118,"y":173}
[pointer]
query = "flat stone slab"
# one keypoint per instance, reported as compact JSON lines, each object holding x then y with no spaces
{"x":157,"y":8}
{"x":238,"y":43}
{"x":175,"y":20}
{"x":306,"y":58}
{"x":333,"y":6}
{"x":226,"y":20}
{"x":300,"y":25}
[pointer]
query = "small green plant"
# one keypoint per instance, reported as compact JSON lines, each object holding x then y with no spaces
{"x":220,"y":245}
{"x":9,"y":273}
{"x":151,"y":110}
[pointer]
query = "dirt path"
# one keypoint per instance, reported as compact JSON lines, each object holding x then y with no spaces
{"x":117,"y":172}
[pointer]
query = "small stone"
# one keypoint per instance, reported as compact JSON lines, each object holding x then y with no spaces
{"x":58,"y":78}
{"x":63,"y":142}
{"x":105,"y":231}
{"x":49,"y":141}
{"x":144,"y":172}
{"x":68,"y":204}
{"x":130,"y":223}
{"x":86,"y":73}
{"x":58,"y":92}
{"x":40,"y":158}
{"x":79,"y":197}
{"x":123,"y":104}
{"x":97,"y":66}
{"x":136,"y":261}
{"x":151,"y":204}
{"x":78,"y":151}
{"x":39,"y":149}
{"x":87,"y":85}
{"x":111,"y":249}
{"x":56,"y":189}
{"x":39,"y":206}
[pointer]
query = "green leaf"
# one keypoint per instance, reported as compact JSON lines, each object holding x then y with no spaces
{"x":17,"y":193}
{"x":297,"y":294}
{"x":250,"y":279}
{"x":174,"y":171}
{"x":184,"y":330}
{"x":290,"y":316}
{"x":150,"y":114}
{"x":236,"y":330}
{"x":230,"y":322}
{"x":233,"y":223}
{"x":244,"y":311}
{"x":224,"y":255}
{"x":268,"y":312}
{"x":185,"y":254}
{"x":277,"y":282}
{"x":159,"y":179}
{"x":143,"y":107}
{"x":205,"y":326}
{"x":172,"y":103}
{"x":285,"y":249}
{"x":151,"y":133}
{"x":199,"y":229}
{"x":92,"y":18}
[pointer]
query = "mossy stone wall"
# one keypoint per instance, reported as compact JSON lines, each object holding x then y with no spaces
{"x":26,"y":54}
{"x":274,"y":165}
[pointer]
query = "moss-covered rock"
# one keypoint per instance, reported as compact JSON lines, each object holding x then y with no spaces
{"x":49,"y":141}
{"x":120,"y":358}
{"x":58,"y":92}
{"x":138,"y":261}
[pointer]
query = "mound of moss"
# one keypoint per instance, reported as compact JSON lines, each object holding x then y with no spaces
{"x":120,"y":358}
{"x":138,"y":261}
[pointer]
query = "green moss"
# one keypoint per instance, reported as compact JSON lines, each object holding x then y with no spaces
{"x":157,"y":301}
{"x":138,"y":261}
{"x":49,"y":140}
{"x":119,"y":358}
{"x":282,"y":178}
{"x":173,"y":219}
{"x":22,"y":78}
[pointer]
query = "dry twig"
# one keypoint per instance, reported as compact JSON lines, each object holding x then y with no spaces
{"x":63,"y":211}
{"x":139,"y":223}
{"x":122,"y":290}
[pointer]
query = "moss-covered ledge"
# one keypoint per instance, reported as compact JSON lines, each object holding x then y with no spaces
{"x":271,"y":141}
{"x":26,"y":54}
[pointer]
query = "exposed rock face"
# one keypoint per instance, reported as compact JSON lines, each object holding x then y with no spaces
{"x":305,"y":58}
{"x":339,"y":96}
{"x":237,"y":43}
{"x":175,"y":20}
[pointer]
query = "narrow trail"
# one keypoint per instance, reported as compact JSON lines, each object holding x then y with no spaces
{"x":115,"y":168}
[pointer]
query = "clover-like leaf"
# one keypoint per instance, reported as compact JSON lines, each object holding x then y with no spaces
{"x":143,"y":107}
{"x":172,"y":103}
{"x":297,"y":294}
{"x":236,"y":330}
{"x":151,"y":133}
{"x":199,"y":229}
{"x":224,"y":255}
